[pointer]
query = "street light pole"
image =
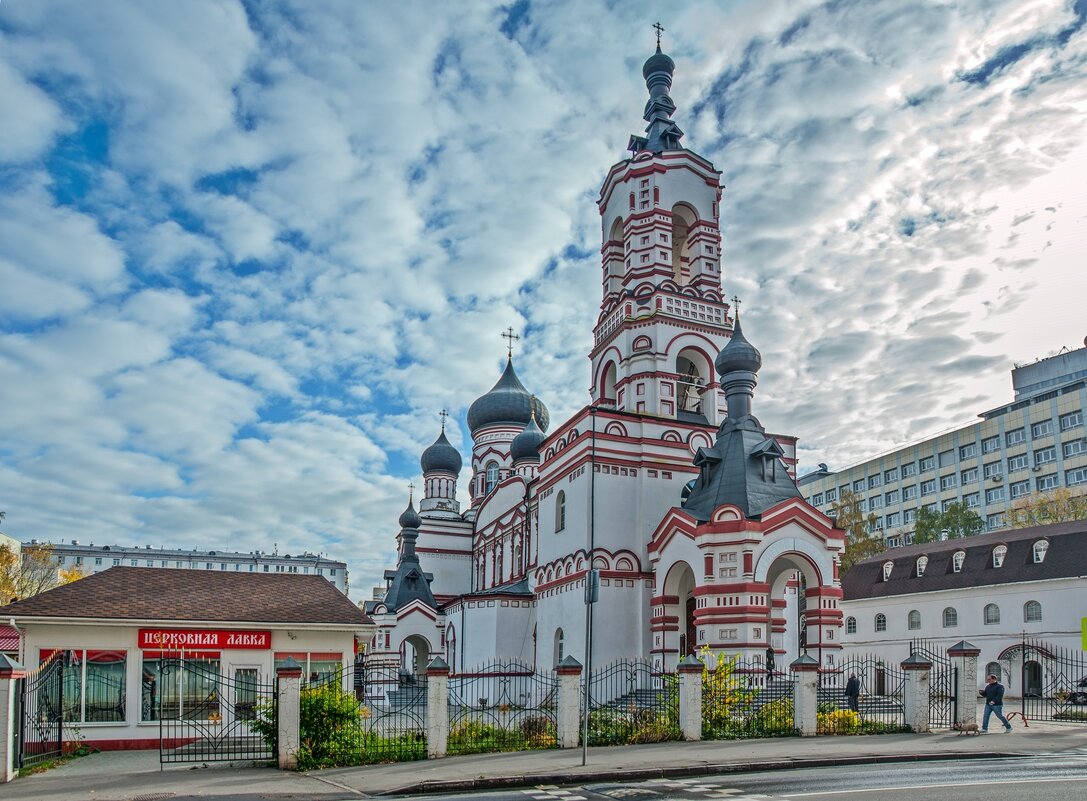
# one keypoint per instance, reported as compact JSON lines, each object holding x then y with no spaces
{"x":591,"y":588}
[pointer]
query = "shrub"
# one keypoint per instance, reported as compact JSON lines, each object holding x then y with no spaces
{"x":840,"y":721}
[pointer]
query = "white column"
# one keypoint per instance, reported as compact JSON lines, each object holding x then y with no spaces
{"x":805,"y":672}
{"x":915,"y":693}
{"x":690,"y":697}
{"x":10,"y":672}
{"x":288,"y":707}
{"x":437,"y":708}
{"x":964,"y":656}
{"x":569,"y":702}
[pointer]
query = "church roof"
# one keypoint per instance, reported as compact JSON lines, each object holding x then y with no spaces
{"x":507,"y":402}
{"x":408,"y":582}
{"x":441,"y":456}
{"x":526,"y":445}
{"x":738,"y":354}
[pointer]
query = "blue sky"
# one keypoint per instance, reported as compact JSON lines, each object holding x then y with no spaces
{"x":249,"y":250}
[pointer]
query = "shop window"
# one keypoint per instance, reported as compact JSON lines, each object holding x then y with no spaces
{"x":317,"y":667}
{"x":94,"y":685}
{"x":169,"y":692}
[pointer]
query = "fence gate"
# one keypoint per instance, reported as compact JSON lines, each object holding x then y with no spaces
{"x":630,"y":702}
{"x":502,"y":706}
{"x":741,"y":699}
{"x":40,"y":733}
{"x":943,"y":701}
{"x":1054,"y":683}
{"x":880,"y":704}
{"x":205,"y":716}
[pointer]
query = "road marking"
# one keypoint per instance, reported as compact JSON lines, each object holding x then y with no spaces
{"x":936,"y":786}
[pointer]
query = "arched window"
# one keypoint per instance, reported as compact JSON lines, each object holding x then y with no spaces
{"x":951,"y":618}
{"x":993,"y":669}
{"x":887,"y":568}
{"x":881,"y":622}
{"x":992,"y":614}
{"x":1040,"y":548}
{"x":957,"y":560}
{"x":922,"y":563}
{"x":560,"y":511}
{"x":492,"y":476}
{"x":607,"y":385}
{"x":559,"y":646}
{"x":683,"y":217}
{"x":693,"y":370}
{"x":914,"y":620}
{"x":999,"y":552}
{"x":851,"y":625}
{"x":1032,"y":612}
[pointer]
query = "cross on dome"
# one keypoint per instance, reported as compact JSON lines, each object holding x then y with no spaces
{"x":736,"y":304}
{"x":659,"y":29}
{"x":444,"y":415}
{"x":510,"y":337}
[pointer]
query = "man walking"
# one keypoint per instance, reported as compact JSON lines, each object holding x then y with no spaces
{"x":994,"y":704}
{"x":853,"y":691}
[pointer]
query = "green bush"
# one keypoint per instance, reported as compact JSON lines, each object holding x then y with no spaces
{"x":474,"y":737}
{"x":634,"y":725}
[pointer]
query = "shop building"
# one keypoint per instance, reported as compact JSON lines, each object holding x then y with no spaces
{"x":117,"y":627}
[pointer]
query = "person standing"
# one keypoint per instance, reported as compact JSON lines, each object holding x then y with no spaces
{"x":994,"y":704}
{"x":853,"y":692}
{"x":770,"y":661}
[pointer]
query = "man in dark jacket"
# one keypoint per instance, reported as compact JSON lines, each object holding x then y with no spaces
{"x":853,"y":691}
{"x":994,"y":704}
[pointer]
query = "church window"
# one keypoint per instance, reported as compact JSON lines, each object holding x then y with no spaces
{"x":559,"y":646}
{"x":992,"y":614}
{"x":560,"y":511}
{"x":951,"y":617}
{"x":881,"y":622}
{"x":631,"y":200}
{"x":851,"y":625}
{"x":914,"y":620}
{"x":683,"y":217}
{"x":492,"y":476}
{"x":1032,"y":612}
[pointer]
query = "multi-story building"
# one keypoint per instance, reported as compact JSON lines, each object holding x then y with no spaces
{"x":1035,"y":444}
{"x":91,"y":558}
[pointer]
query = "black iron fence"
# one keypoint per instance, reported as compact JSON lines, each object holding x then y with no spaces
{"x":943,"y":683}
{"x":40,"y":731}
{"x":206,"y":716}
{"x":876,"y":708}
{"x":502,"y":706}
{"x":741,"y":699}
{"x":1054,"y":682}
{"x":632,"y":702}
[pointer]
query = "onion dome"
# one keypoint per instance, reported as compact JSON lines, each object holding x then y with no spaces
{"x":526,"y":445}
{"x":658,"y":62}
{"x":441,"y":457}
{"x":507,"y":402}
{"x":738,"y":355}
{"x":409,"y":518}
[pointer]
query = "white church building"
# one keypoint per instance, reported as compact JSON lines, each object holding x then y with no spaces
{"x":665,"y":483}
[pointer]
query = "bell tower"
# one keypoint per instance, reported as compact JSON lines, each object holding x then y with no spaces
{"x":663,"y":317}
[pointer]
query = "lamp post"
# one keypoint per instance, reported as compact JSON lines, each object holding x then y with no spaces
{"x":592,"y":588}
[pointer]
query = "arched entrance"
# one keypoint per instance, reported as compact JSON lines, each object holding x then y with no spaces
{"x":680,"y":637}
{"x":793,"y":620}
{"x":415,"y":654}
{"x":1032,"y":679}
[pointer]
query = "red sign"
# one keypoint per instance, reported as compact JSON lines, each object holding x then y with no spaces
{"x":203,"y":640}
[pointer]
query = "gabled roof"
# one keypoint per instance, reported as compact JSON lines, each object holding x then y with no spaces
{"x":1066,"y":557}
{"x":167,"y":594}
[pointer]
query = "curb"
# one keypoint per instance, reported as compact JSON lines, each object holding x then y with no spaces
{"x":685,"y":771}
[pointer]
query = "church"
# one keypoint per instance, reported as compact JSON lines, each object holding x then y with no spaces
{"x":664,"y":493}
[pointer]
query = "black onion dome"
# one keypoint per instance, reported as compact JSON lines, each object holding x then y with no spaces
{"x":738,"y":354}
{"x":658,"y":62}
{"x":507,"y":402}
{"x":409,"y":518}
{"x":441,"y":456}
{"x":526,"y":445}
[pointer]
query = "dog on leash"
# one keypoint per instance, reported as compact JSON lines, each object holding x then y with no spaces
{"x":967,"y":728}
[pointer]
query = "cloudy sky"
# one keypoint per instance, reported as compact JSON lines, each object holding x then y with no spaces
{"x":249,"y":250}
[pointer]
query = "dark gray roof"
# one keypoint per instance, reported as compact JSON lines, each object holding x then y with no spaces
{"x":408,"y":582}
{"x":661,"y":132}
{"x":743,"y":468}
{"x":507,"y":402}
{"x":409,"y":518}
{"x":441,"y":456}
{"x":526,"y":445}
{"x":518,"y":587}
{"x":1065,"y":558}
{"x":738,"y":354}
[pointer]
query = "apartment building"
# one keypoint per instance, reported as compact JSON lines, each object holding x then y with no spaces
{"x":1036,"y":443}
{"x":93,"y":558}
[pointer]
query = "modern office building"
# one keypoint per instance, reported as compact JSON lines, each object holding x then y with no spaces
{"x":1036,"y":443}
{"x":93,"y":558}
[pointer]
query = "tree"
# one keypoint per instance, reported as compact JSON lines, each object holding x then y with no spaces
{"x":860,"y":542}
{"x":1041,"y":509}
{"x":30,"y":572}
{"x":957,"y":521}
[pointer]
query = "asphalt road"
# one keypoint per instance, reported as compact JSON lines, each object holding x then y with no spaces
{"x":1060,"y":777}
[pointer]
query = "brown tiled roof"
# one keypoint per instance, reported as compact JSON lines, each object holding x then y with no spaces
{"x":152,"y":593}
{"x":1066,"y":558}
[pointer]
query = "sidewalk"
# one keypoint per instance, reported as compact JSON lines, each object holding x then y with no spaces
{"x":124,"y":776}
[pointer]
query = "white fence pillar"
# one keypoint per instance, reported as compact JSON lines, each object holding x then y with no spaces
{"x":288,"y":713}
{"x":437,"y":708}
{"x":916,"y":692}
{"x":690,"y":697}
{"x":569,"y":702}
{"x":10,"y":672}
{"x":805,"y":695}
{"x":964,"y":657}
